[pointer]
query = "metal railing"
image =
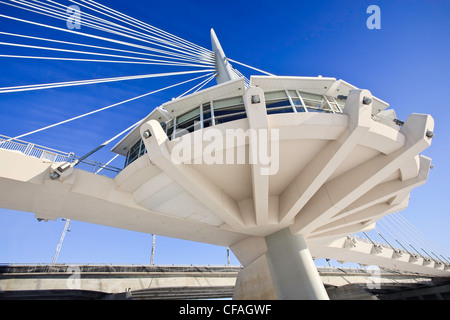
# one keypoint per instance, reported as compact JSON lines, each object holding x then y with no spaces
{"x":33,"y":150}
{"x":49,"y":154}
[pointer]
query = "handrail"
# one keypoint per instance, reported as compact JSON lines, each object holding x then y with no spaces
{"x":49,"y":154}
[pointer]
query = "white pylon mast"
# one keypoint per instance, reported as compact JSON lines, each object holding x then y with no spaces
{"x":223,"y":67}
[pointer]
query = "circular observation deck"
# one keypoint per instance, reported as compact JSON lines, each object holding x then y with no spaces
{"x":317,"y":155}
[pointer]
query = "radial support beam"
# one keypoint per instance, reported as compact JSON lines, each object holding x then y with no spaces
{"x":340,"y":192}
{"x":364,"y":217}
{"x":305,"y":185}
{"x":187,"y":177}
{"x":392,"y":191}
{"x":342,"y":232}
{"x":223,"y":67}
{"x":255,"y":108}
{"x":294,"y":274}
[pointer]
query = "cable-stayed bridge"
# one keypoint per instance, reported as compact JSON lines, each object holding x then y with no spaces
{"x":314,"y":160}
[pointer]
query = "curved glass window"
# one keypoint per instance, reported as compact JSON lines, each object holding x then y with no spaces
{"x":224,"y":110}
{"x":230,"y":109}
{"x":313,"y":102}
{"x":278,"y":102}
{"x":206,"y":115}
{"x":137,"y":150}
{"x":296,"y":101}
{"x":320,"y":103}
{"x":187,"y":122}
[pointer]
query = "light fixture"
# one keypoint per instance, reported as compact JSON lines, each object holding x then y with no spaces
{"x":256,"y":99}
{"x":54,"y":176}
{"x":367,"y":100}
{"x":147,"y":134}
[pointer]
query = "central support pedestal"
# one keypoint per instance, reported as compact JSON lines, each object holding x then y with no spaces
{"x":294,"y":274}
{"x":278,"y":266}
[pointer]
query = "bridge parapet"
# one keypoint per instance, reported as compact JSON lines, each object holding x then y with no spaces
{"x":198,"y":282}
{"x":51,"y":155}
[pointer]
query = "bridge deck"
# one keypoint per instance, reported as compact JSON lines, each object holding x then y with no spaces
{"x":140,"y":282}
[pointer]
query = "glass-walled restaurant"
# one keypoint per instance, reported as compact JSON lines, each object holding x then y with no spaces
{"x":224,"y":110}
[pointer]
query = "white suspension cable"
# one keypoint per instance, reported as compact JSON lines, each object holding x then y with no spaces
{"x":404,"y":229}
{"x":382,"y":223}
{"x":93,"y":81}
{"x":236,"y":71}
{"x":106,"y":164}
{"x":73,"y":32}
{"x":375,"y":236}
{"x":173,"y":45}
{"x":419,"y":241}
{"x":65,"y":7}
{"x":148,"y":27}
{"x":245,"y":65}
{"x":81,"y":52}
{"x":206,"y":82}
{"x":62,"y":16}
{"x":79,"y":160}
{"x":430,"y":244}
{"x":104,"y":61}
{"x":240,"y":75}
{"x":85,"y":45}
{"x":370,"y":238}
{"x":199,"y":84}
{"x":408,"y":230}
{"x":398,"y":227}
{"x":379,"y":235}
{"x":178,"y":39}
{"x":104,"y":108}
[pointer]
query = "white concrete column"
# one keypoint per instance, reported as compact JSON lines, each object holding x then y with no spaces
{"x":254,"y":281}
{"x":294,"y":274}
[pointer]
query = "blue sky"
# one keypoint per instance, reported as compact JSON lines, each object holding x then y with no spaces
{"x":405,"y":63}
